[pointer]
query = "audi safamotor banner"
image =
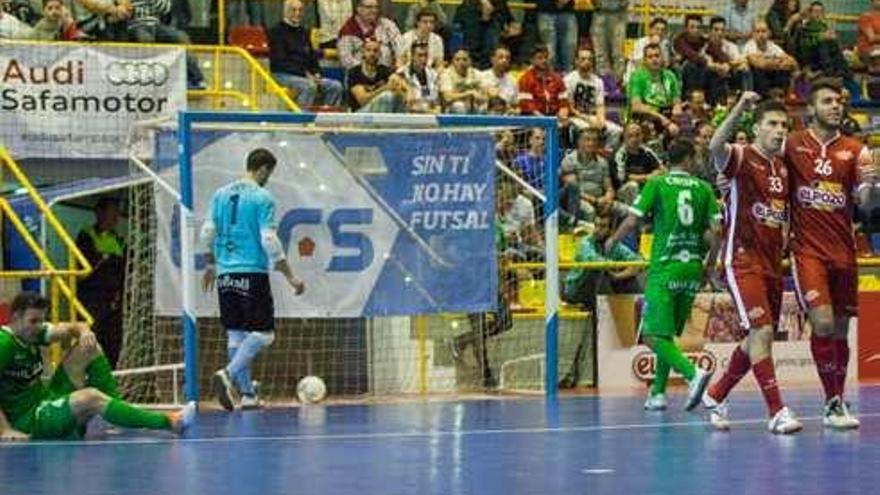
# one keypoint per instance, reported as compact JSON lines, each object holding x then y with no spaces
{"x":60,"y":101}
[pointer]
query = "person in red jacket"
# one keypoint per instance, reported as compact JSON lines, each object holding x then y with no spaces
{"x":541,"y":90}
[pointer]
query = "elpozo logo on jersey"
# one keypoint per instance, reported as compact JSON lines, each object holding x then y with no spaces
{"x":823,"y":195}
{"x":772,"y":215}
{"x":644,"y":364}
{"x":136,"y":73}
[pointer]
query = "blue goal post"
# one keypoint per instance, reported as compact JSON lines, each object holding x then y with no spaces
{"x":189,"y":120}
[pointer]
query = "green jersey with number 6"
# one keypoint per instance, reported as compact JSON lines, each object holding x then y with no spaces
{"x":683,"y":208}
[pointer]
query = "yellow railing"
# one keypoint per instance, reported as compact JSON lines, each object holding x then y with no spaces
{"x":78,"y":265}
{"x":231,"y":73}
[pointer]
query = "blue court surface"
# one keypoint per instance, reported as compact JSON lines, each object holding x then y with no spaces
{"x":582,"y":445}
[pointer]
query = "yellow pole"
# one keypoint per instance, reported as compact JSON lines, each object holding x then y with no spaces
{"x":221,"y":21}
{"x":421,"y":323}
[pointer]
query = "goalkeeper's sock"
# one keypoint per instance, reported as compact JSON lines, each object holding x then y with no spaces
{"x":239,"y":366}
{"x":125,"y":415}
{"x":661,"y":377}
{"x":666,"y":350}
{"x":765,"y":373}
{"x":99,"y":374}
{"x":736,"y":370}
{"x":825,"y":355}
{"x":842,"y":347}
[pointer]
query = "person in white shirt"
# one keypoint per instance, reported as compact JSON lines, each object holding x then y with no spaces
{"x":497,"y":81}
{"x":12,"y":28}
{"x":771,"y":67}
{"x":586,"y":94}
{"x":460,"y":88}
{"x":423,"y":95}
{"x":426,"y":22}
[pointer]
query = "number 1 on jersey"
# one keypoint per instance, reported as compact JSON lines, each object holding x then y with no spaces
{"x":233,"y":200}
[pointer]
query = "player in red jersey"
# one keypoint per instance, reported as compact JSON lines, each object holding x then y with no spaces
{"x":826,"y":170}
{"x":756,"y":215}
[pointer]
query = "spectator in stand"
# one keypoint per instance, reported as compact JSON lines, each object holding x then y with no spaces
{"x":740,"y":19}
{"x":56,"y":24}
{"x":332,"y":15}
{"x":782,"y":18}
{"x":485,"y":26}
{"x":104,"y":20}
{"x":654,"y":93}
{"x":657,"y":35}
{"x":367,"y":23}
{"x":817,"y":49}
{"x":461,"y":90}
{"x":146,"y":26}
{"x":255,"y":10}
{"x":12,"y":27}
{"x":530,"y":162}
{"x":557,"y":25}
{"x":422,"y":81}
{"x":633,"y":164}
{"x":294,"y":63}
{"x":423,"y":33}
{"x":704,"y":166}
{"x":689,"y":46}
{"x":412,"y":15}
{"x":771,"y":66}
{"x":610,"y":18}
{"x":541,"y":90}
{"x":497,"y":81}
{"x":693,"y":112}
{"x":869,"y":32}
{"x":586,"y":93}
{"x":373,"y":88}
{"x":726,"y":68}
{"x":586,"y":179}
{"x":24,"y":10}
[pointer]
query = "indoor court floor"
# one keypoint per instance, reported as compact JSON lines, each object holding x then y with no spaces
{"x":582,"y":445}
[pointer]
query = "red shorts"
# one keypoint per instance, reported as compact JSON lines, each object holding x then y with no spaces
{"x":757,"y":296}
{"x":819,"y":283}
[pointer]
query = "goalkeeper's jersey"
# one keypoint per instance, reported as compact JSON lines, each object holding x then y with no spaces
{"x":21,"y":372}
{"x":682,"y":207}
{"x":241,"y":211}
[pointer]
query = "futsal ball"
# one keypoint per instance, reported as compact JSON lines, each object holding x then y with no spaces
{"x":311,"y":390}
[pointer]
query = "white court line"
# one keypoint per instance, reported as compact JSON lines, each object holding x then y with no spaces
{"x":398,"y":435}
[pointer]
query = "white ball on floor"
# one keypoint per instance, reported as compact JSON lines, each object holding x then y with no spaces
{"x":311,"y":390}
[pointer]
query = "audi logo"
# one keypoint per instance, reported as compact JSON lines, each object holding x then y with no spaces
{"x":136,"y":73}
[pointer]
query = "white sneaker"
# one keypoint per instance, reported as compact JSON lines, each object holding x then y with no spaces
{"x":837,"y":415}
{"x":655,"y":402}
{"x":784,"y":422}
{"x":183,"y":419}
{"x":852,"y":422}
{"x":221,"y":382}
{"x":719,"y":415}
{"x":696,"y":388}
{"x":250,"y":402}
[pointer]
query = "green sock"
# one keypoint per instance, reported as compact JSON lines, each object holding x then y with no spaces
{"x":667,"y":351}
{"x":661,"y":376}
{"x":99,"y":374}
{"x":121,"y":413}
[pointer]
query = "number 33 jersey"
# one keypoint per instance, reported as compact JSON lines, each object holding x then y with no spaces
{"x":756,"y":209}
{"x":824,"y":178}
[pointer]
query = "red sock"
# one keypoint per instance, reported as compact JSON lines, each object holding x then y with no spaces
{"x":825,"y":355}
{"x":842,"y":364}
{"x":736,"y":369}
{"x":765,"y":373}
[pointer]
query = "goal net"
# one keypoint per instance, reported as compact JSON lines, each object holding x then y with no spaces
{"x":423,"y":247}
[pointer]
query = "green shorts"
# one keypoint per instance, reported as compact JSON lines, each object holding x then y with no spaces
{"x":53,"y":418}
{"x":669,"y":296}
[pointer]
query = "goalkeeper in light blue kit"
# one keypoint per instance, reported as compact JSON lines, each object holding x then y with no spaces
{"x":239,"y":236}
{"x":684,"y":216}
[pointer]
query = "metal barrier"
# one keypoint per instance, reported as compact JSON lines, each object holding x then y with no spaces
{"x":62,"y":280}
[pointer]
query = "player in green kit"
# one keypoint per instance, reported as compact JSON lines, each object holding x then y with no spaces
{"x":82,"y":387}
{"x":684,"y":215}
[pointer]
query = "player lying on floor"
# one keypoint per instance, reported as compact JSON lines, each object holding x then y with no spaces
{"x":81,"y":388}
